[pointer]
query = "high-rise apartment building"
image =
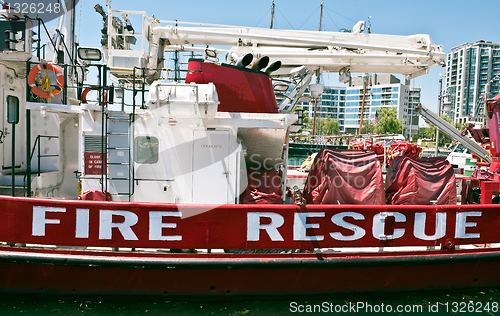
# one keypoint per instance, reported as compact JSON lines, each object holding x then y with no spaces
{"x":470,"y":69}
{"x":381,"y":91}
{"x":345,"y":104}
{"x":331,"y":104}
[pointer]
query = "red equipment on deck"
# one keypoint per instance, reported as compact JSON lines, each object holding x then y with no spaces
{"x":264,"y":187}
{"x":345,"y":177}
{"x":239,"y":89}
{"x":421,"y":181}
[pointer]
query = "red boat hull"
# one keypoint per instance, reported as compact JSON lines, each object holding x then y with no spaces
{"x":29,"y":271}
{"x":155,"y":229}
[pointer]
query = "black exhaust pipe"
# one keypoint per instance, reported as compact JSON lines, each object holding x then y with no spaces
{"x":260,"y":63}
{"x":244,"y":61}
{"x":273,"y":67}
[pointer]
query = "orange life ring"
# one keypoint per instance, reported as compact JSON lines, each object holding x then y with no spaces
{"x":46,"y":67}
{"x":84,"y":95}
{"x":87,"y":90}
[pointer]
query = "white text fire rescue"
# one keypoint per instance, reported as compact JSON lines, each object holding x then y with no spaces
{"x":465,"y":226}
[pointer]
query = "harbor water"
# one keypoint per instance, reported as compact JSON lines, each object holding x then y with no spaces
{"x":472,"y":302}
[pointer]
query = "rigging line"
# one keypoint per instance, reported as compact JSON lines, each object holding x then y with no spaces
{"x":340,"y":14}
{"x":263,"y":17}
{"x":285,"y":18}
{"x":308,"y":18}
{"x":332,"y":20}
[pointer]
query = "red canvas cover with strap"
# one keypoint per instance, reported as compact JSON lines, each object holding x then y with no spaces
{"x":264,"y":187}
{"x":420,"y":181}
{"x":345,"y":177}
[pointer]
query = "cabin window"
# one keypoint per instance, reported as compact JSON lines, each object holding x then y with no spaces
{"x":146,"y":149}
{"x":12,"y":109}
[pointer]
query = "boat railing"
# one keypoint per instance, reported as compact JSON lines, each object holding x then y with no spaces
{"x":73,"y":77}
{"x":36,"y":145}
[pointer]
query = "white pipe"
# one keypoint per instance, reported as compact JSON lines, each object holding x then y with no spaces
{"x":333,"y":62}
{"x":153,"y":50}
{"x":277,"y":54}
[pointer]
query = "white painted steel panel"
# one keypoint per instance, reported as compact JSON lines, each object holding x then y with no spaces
{"x":211,"y":166}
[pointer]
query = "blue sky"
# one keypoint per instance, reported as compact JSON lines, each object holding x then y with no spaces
{"x":450,"y":23}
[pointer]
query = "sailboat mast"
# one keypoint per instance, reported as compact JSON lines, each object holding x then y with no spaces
{"x":320,"y":15}
{"x":317,"y":75}
{"x":272,"y":15}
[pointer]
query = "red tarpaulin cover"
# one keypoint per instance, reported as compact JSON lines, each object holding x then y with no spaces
{"x":345,"y":177}
{"x":398,"y":148}
{"x":95,"y":195}
{"x":401,"y":148}
{"x":264,"y":187}
{"x":420,"y":181}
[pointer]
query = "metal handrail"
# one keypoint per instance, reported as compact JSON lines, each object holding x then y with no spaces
{"x":37,"y":145}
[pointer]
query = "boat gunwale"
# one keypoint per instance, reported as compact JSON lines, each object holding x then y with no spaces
{"x":243,"y":260}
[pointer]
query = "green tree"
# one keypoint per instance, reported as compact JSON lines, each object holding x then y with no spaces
{"x":388,"y":121}
{"x":331,"y":126}
{"x":368,"y":127}
{"x":427,"y":132}
{"x":421,"y":132}
{"x":430,"y":132}
{"x":319,"y":123}
{"x":460,"y":126}
{"x":443,"y":138}
{"x":324,"y":126}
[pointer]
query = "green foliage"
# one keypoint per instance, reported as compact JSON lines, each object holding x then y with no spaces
{"x":368,"y":127}
{"x":324,"y":126}
{"x":460,"y":126}
{"x":320,"y":123}
{"x":443,"y":139}
{"x":446,"y":118}
{"x":331,"y":126}
{"x":426,"y":132}
{"x":388,"y":121}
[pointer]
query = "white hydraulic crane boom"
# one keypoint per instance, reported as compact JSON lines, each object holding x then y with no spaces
{"x":324,"y":51}
{"x":317,"y":51}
